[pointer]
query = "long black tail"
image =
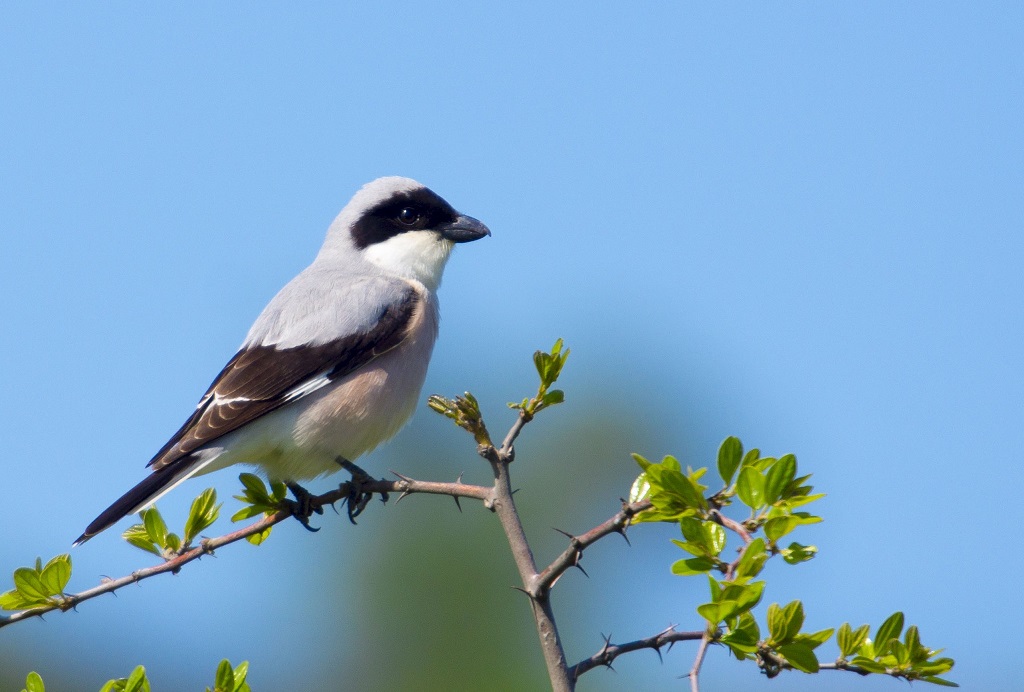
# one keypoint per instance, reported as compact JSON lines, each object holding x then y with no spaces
{"x":151,"y":487}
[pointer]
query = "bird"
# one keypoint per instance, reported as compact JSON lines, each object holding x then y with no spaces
{"x":335,"y":363}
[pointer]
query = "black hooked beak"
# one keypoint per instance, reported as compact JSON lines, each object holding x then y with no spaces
{"x":463,"y":229}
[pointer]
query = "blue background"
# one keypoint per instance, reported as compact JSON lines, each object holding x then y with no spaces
{"x":797,"y":223}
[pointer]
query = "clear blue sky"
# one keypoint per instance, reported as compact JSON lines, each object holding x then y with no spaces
{"x":799,"y":224}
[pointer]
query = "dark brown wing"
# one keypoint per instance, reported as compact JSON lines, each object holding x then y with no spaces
{"x":262,"y":378}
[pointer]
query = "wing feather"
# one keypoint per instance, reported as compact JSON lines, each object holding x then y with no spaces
{"x":259,"y":379}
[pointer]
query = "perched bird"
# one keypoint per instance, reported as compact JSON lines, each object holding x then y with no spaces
{"x":334,"y":364}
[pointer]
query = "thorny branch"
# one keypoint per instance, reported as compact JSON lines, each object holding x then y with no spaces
{"x":609,"y":652}
{"x":403,"y":486}
{"x":498,"y":498}
{"x":572,"y":555}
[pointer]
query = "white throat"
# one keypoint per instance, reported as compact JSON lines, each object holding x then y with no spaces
{"x":419,"y":255}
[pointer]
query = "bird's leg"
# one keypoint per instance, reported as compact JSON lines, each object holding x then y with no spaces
{"x":302,"y":507}
{"x":357,"y":497}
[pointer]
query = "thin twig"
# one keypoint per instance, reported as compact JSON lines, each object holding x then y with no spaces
{"x":609,"y":652}
{"x":698,"y":661}
{"x":570,"y":557}
{"x":507,"y":446}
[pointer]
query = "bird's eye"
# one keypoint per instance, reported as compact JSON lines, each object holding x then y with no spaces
{"x":409,"y":216}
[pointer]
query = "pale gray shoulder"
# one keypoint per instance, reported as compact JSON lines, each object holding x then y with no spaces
{"x":322,"y":305}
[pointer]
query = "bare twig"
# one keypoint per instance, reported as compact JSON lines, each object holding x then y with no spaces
{"x":698,"y":661}
{"x":609,"y":652}
{"x":843,"y":665}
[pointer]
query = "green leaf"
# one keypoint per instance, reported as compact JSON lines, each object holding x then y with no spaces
{"x":555,"y":396}
{"x":777,"y":527}
{"x":912,"y":640}
{"x":850,"y":640}
{"x":778,"y":478}
{"x":751,"y":457}
{"x":241,"y":671}
{"x":692,"y":530}
{"x":750,"y":487}
{"x":936,"y":667}
{"x":34,"y":683}
{"x":939,"y":681}
{"x":744,"y":637}
{"x":258,"y":538}
{"x":12,"y":600}
{"x":803,"y":518}
{"x":814,"y":639}
{"x":670,"y":463}
{"x":203,"y":513}
{"x":785,"y":623}
{"x":730,"y":453}
{"x":868,"y":664}
{"x":692,"y":548}
{"x":746,"y":596}
{"x":644,"y":463}
{"x":138,"y":536}
{"x":752,"y":560}
{"x":899,"y":652}
{"x":225,"y":681}
{"x":56,"y":574}
{"x":640,"y":489}
{"x":685,"y":489}
{"x":29,"y":586}
{"x":800,"y":656}
{"x":137,"y":681}
{"x":799,"y":501}
{"x":254,"y":486}
{"x":716,"y":612}
{"x":714,"y":537}
{"x":155,"y":526}
{"x":246,"y":513}
{"x":549,"y":365}
{"x":278,"y":489}
{"x":888,"y":630}
{"x":692,"y":566}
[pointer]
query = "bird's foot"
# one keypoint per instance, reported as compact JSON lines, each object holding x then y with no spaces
{"x":358,"y":497}
{"x":302,"y":507}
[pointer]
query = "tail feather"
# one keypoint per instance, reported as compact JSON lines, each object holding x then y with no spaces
{"x":151,"y":489}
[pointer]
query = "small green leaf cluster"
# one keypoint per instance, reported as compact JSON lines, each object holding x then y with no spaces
{"x":259,"y":500}
{"x":786,"y":644}
{"x":549,"y":369}
{"x":774,"y":495}
{"x":731,"y":601}
{"x":907,"y":659}
{"x":228,"y":679}
{"x":40,"y":586}
{"x":768,"y":486}
{"x":231,"y":679}
{"x":153,"y":536}
{"x":135,"y":682}
{"x":465,"y":411}
{"x":772,"y":491}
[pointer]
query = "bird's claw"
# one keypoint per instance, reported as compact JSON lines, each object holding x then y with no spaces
{"x":358,"y":498}
{"x":302,"y":507}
